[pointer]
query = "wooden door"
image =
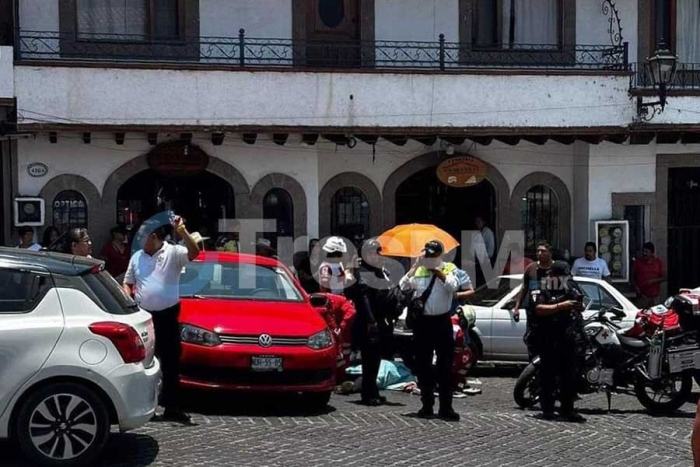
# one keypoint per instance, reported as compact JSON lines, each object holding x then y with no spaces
{"x":333,"y":33}
{"x":683,"y":228}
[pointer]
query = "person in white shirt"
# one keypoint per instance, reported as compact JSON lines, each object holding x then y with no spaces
{"x":26,"y":239}
{"x":590,"y":265}
{"x":153,"y":279}
{"x":331,"y":273}
{"x":433,"y":330}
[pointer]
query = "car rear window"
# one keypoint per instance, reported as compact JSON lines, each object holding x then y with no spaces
{"x":112,"y":298}
{"x":238,"y":281}
{"x":492,"y":292}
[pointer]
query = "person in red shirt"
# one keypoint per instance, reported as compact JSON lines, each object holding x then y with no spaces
{"x":340,"y":315}
{"x":647,"y":275}
{"x":518,"y":263}
{"x":117,"y":253}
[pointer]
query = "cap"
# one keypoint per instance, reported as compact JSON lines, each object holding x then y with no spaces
{"x":433,"y":249}
{"x":559,"y":269}
{"x":335,"y":244}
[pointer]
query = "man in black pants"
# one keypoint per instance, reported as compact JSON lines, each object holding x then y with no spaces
{"x":435,"y":281}
{"x":153,"y":279}
{"x":553,"y":338}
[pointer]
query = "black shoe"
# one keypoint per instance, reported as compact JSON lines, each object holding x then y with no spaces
{"x":173,"y":415}
{"x":573,"y":417}
{"x":549,"y":416}
{"x":449,"y":415}
{"x":426,"y":412}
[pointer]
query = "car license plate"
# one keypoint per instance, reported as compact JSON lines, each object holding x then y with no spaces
{"x":266,"y":363}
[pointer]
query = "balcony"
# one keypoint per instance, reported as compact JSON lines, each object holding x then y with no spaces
{"x":249,"y":52}
{"x":687,"y":78}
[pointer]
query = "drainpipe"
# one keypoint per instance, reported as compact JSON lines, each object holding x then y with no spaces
{"x":15,"y":28}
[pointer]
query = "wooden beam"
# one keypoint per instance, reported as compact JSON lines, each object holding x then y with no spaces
{"x":509,"y":140}
{"x":591,"y":139}
{"x":427,"y":140}
{"x":454,"y":140}
{"x":670,"y":137}
{"x":618,"y":139}
{"x":482,"y":140}
{"x":309,"y":138}
{"x":280,"y":138}
{"x":642,"y":138}
{"x":368,"y":139}
{"x":397,"y":140}
{"x":250,"y":138}
{"x":690,"y":138}
{"x":564,"y":139}
{"x":539,"y":140}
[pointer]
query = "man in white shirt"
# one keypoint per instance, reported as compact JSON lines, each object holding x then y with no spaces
{"x":153,"y":279}
{"x":26,"y":239}
{"x":433,"y":331}
{"x":591,"y":266}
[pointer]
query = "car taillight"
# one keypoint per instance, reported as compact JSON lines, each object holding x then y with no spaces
{"x":125,"y":339}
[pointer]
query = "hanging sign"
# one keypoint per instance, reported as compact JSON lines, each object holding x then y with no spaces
{"x":461,"y":172}
{"x":178,"y":159}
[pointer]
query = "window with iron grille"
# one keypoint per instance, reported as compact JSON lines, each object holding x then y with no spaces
{"x":540,"y":218}
{"x":133,"y":20}
{"x":350,"y":214}
{"x":70,"y":210}
{"x":278,"y":205}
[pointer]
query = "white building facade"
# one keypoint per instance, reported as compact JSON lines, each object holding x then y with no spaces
{"x":332,"y":117}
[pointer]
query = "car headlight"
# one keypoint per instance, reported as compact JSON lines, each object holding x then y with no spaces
{"x":320,"y":340}
{"x":194,"y":335}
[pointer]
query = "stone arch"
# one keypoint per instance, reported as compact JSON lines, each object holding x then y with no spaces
{"x":295,"y":190}
{"x":137,"y":165}
{"x":433,"y":159}
{"x":560,"y":190}
{"x":350,"y":179}
{"x":80,"y":184}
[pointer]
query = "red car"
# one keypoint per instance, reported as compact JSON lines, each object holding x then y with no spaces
{"x":246,"y":324}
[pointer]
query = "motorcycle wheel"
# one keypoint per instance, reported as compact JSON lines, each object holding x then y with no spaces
{"x":667,"y":387}
{"x":527,"y":388}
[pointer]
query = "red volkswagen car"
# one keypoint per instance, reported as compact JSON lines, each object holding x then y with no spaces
{"x":246,"y":324}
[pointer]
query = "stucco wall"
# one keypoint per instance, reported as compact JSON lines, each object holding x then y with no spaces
{"x":137,"y":97}
{"x":7,"y":82}
{"x":260,"y":18}
{"x":416,"y":20}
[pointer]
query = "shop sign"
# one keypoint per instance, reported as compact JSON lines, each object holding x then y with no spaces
{"x":461,"y":172}
{"x":37,"y":169}
{"x":178,"y":159}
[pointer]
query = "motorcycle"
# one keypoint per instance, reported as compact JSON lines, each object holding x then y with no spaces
{"x":656,"y":368}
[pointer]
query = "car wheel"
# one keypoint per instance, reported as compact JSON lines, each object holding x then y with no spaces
{"x":317,"y":401}
{"x":62,"y":424}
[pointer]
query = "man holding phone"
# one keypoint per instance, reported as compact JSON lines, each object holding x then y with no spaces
{"x":153,"y":279}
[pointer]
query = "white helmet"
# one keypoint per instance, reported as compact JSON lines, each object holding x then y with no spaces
{"x":335,"y":244}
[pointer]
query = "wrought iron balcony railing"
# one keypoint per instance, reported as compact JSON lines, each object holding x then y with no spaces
{"x":244,"y":51}
{"x":687,"y":76}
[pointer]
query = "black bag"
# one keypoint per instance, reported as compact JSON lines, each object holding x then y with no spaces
{"x":416,"y":306}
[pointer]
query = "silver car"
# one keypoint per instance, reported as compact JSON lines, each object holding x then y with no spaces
{"x":500,"y":338}
{"x":76,"y":356}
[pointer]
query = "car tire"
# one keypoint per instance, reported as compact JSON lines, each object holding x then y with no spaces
{"x":76,"y":411}
{"x":317,"y":401}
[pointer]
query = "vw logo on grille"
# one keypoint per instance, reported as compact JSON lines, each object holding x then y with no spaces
{"x":265,"y":340}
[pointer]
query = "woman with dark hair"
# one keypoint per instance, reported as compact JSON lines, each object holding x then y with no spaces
{"x":51,"y":234}
{"x":78,"y":243}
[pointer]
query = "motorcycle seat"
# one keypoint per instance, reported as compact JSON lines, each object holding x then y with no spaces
{"x":631,"y":341}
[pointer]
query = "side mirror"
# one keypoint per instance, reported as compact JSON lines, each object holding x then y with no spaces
{"x":319,"y":301}
{"x":509,"y":304}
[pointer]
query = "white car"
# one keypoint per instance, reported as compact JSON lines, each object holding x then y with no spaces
{"x":76,"y":356}
{"x":500,"y":338}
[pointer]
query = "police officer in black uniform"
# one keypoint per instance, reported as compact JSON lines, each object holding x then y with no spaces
{"x":552,"y":315}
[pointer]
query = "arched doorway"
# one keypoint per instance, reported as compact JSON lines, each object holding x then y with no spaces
{"x":423,"y":198}
{"x":202,"y":199}
{"x":278,"y":206}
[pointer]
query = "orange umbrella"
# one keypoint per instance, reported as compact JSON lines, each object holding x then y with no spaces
{"x":408,"y":240}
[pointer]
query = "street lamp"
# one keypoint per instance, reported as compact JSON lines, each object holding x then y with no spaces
{"x":662,"y":70}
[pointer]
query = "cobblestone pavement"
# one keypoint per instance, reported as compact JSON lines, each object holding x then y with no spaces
{"x":493,"y":432}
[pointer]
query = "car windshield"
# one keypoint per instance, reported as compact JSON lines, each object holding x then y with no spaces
{"x":202,"y":279}
{"x":492,"y":292}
